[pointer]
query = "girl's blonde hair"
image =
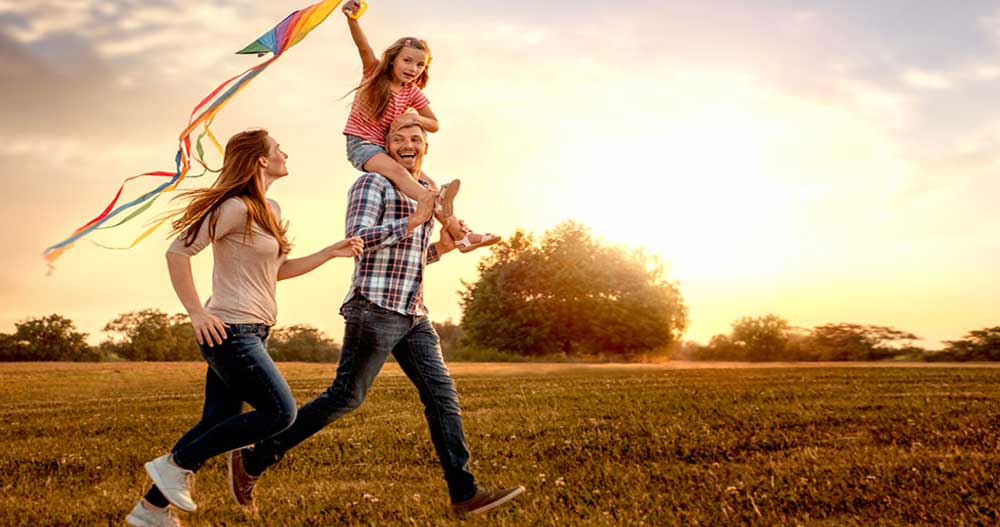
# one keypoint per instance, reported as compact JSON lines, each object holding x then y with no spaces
{"x":240,"y":176}
{"x":374,"y":91}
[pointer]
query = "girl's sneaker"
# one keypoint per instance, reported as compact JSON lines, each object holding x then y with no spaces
{"x":141,"y":516}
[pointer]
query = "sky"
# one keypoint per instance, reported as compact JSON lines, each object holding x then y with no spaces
{"x":824,"y":161}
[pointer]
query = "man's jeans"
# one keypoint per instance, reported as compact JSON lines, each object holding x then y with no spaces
{"x":239,"y":370}
{"x":371,"y":333}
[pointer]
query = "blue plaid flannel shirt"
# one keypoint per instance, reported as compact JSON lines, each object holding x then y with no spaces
{"x":390,"y":272}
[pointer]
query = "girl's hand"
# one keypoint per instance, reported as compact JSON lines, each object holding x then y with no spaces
{"x":208,"y":329}
{"x":348,"y":248}
{"x":407,"y":119}
{"x":351,"y":7}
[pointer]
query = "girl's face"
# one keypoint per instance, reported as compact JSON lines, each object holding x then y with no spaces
{"x":408,"y":65}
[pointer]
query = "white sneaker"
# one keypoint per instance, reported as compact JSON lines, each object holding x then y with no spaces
{"x":156,"y":517}
{"x":174,"y":482}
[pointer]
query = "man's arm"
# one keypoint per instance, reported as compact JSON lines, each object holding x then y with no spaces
{"x":365,"y":205}
{"x":441,"y":247}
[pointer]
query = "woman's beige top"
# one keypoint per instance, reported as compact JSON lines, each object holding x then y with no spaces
{"x":245,"y":274}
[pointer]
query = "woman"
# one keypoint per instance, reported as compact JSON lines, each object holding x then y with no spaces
{"x":250,"y":252}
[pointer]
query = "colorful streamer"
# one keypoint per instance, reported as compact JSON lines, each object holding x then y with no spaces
{"x":278,"y":40}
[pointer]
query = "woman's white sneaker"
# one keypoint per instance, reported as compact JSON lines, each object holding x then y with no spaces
{"x":142,"y":516}
{"x":174,"y":482}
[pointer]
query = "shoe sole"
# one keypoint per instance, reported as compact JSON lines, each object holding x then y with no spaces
{"x":135,"y":521}
{"x":490,"y":506}
{"x":232,"y":484}
{"x":472,"y":247}
{"x":448,"y":198}
{"x":158,"y":481}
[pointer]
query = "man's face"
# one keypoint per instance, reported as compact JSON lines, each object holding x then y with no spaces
{"x":408,"y":146}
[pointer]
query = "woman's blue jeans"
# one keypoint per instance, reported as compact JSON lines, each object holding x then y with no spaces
{"x":239,"y":370}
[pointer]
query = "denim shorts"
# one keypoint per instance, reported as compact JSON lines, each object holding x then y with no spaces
{"x":359,"y":151}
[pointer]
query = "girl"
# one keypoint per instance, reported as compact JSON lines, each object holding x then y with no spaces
{"x":250,"y":251}
{"x":389,"y":87}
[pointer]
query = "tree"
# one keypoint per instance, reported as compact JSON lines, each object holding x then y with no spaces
{"x":14,"y":350}
{"x":572,"y":295}
{"x":844,"y":342}
{"x":152,"y":335}
{"x":51,"y":338}
{"x":761,"y":338}
{"x":302,"y":343}
{"x":450,"y":335}
{"x":981,"y":344}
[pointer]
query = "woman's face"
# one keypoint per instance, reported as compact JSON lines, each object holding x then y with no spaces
{"x":409,"y":64}
{"x":274,"y":162}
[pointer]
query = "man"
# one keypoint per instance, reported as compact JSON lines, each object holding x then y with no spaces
{"x":384,"y":313}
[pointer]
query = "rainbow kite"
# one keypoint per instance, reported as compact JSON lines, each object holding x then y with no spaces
{"x":278,"y":40}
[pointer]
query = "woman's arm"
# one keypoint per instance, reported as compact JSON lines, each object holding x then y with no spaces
{"x":301,"y":266}
{"x":368,"y":59}
{"x":207,"y":328}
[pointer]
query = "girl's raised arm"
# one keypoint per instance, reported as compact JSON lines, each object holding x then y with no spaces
{"x":368,"y":59}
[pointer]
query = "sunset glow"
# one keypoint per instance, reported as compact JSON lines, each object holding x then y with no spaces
{"x":809,"y":160}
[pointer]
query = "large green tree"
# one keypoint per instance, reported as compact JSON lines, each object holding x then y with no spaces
{"x":51,"y":338}
{"x":568,"y":293}
{"x":151,"y":335}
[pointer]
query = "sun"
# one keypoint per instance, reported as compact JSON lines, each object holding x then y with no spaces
{"x":696,"y":188}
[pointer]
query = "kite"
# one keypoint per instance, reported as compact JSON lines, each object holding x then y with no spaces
{"x":277,"y":41}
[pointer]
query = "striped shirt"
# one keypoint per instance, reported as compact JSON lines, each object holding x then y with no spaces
{"x":359,"y":124}
{"x":390,"y":272}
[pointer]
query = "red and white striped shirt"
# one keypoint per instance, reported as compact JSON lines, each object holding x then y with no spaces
{"x":359,"y":124}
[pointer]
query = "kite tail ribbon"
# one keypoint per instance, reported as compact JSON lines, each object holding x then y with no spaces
{"x":279,"y":39}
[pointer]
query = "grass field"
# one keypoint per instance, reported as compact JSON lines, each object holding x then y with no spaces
{"x":594,"y":445}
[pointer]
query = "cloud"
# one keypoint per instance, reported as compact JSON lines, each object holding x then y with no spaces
{"x":991,"y":25}
{"x":927,"y":80}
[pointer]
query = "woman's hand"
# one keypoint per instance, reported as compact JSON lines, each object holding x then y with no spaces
{"x":349,"y":247}
{"x":208,"y":329}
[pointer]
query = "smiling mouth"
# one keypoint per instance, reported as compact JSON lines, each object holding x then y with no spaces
{"x":408,"y":155}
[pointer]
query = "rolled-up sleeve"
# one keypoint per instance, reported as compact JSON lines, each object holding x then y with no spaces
{"x":364,"y":210}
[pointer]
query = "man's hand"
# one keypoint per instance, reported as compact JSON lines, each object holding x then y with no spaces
{"x":446,"y":243}
{"x":424,"y":212}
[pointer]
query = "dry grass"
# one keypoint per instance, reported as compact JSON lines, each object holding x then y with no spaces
{"x":674,"y":444}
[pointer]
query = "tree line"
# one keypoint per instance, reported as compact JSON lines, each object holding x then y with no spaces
{"x":147,"y":335}
{"x":771,"y":338}
{"x":563,"y":295}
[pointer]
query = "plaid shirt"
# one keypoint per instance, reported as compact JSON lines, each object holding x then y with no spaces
{"x":390,"y":272}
